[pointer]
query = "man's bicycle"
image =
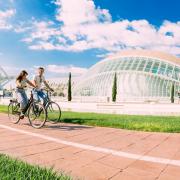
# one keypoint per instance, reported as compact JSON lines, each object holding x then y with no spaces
{"x":34,"y":110}
{"x":52,"y":108}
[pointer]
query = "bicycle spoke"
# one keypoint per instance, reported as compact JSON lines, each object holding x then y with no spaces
{"x":14,"y":112}
{"x":53,"y":112}
{"x":37,"y":115}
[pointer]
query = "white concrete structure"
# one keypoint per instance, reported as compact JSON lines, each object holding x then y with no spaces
{"x":3,"y":77}
{"x":165,"y":109}
{"x":141,"y":76}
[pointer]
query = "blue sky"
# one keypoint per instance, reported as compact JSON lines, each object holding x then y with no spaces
{"x":72,"y":35}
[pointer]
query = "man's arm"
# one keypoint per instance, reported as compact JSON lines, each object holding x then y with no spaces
{"x":47,"y":85}
{"x":34,"y":82}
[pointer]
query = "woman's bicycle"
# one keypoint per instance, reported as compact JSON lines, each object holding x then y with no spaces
{"x":52,"y":108}
{"x":34,"y":110}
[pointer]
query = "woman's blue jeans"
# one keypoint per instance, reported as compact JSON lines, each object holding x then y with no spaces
{"x":22,"y":98}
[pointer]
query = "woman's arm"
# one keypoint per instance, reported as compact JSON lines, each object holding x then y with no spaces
{"x":18,"y":84}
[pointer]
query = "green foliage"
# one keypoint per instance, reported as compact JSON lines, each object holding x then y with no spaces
{"x":114,"y":88}
{"x":69,"y":88}
{"x":14,"y":169}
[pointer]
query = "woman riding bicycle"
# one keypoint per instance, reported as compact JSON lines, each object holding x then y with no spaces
{"x":21,"y":84}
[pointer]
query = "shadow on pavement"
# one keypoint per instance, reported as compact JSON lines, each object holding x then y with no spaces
{"x":68,"y":127}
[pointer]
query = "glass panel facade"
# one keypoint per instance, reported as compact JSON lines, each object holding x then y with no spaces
{"x":141,"y":65}
{"x":155,"y":67}
{"x":162,"y":69}
{"x":135,"y":64}
{"x":129,"y":64}
{"x":148,"y":66}
{"x":136,"y":77}
{"x":176,"y":73}
{"x":169,"y":70}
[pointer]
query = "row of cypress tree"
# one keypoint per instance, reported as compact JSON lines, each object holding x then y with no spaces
{"x":114,"y":89}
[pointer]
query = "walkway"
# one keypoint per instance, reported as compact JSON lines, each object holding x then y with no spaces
{"x":94,"y":153}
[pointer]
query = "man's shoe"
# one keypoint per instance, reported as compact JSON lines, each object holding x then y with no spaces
{"x":21,"y":116}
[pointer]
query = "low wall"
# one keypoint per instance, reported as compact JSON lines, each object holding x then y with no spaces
{"x":151,"y":108}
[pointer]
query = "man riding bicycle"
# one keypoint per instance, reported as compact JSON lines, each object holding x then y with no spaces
{"x":38,"y":81}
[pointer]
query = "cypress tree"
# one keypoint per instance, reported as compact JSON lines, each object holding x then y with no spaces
{"x":114,"y":88}
{"x":69,"y":88}
{"x":172,"y":93}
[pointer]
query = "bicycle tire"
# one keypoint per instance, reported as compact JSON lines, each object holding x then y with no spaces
{"x":13,"y":113}
{"x":53,"y":112}
{"x":37,"y":115}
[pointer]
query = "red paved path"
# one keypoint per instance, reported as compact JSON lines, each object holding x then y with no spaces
{"x":88,"y":164}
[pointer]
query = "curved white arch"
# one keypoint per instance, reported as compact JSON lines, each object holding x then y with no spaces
{"x":5,"y":78}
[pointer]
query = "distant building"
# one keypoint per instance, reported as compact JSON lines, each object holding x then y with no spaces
{"x":142,"y":75}
{"x":4,"y":79}
{"x":60,"y":85}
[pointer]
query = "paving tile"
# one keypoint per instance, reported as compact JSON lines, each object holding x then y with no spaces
{"x":41,"y":158}
{"x":75,"y":162}
{"x":34,"y":149}
{"x":141,"y":173}
{"x":95,"y":171}
{"x":168,"y":177}
{"x":5,"y":147}
{"x":116,"y":162}
{"x":147,"y":167}
{"x":11,"y":138}
{"x":130,"y":176}
{"x":172,"y":171}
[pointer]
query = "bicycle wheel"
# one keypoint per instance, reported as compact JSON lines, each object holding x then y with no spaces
{"x":53,"y":112}
{"x":37,"y":115}
{"x":14,"y":112}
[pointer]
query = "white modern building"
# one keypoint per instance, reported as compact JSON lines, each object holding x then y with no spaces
{"x":3,"y":77}
{"x":142,"y":75}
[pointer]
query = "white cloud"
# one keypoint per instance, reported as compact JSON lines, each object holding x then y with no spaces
{"x":66,"y":69}
{"x":4,"y":19}
{"x":82,"y":26}
{"x":80,"y":12}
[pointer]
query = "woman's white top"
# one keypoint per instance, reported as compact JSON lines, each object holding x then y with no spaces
{"x":22,"y":84}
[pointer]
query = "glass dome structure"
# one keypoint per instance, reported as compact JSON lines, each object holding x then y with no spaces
{"x":141,"y":74}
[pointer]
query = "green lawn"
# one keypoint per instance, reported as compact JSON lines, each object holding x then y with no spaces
{"x":13,"y":169}
{"x":3,"y":109}
{"x":131,"y":122}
